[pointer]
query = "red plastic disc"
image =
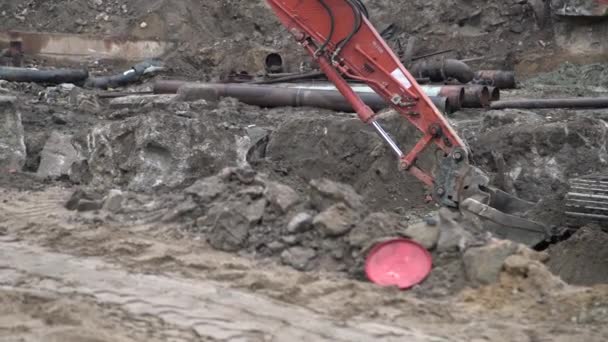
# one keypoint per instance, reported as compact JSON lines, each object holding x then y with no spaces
{"x":400,"y":262}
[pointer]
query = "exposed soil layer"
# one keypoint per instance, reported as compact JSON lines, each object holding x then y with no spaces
{"x":583,"y":259}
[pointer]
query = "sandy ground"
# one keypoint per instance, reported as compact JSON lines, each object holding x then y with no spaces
{"x":69,"y":279}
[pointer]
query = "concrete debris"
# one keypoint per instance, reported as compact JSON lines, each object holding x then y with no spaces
{"x":113,"y":201}
{"x":336,"y":220}
{"x":229,"y":227}
{"x":281,"y":196}
{"x":300,"y":223}
{"x":373,"y":227}
{"x":298,"y":257}
{"x":58,"y":156}
{"x":157,"y":150}
{"x":452,"y":235}
{"x":326,"y":192}
{"x":12,"y":136}
{"x":425,"y":233}
{"x":484,"y":264}
{"x":207,"y":189}
{"x":136,"y":101}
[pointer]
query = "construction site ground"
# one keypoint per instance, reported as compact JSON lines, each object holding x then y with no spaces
{"x":175,"y":220}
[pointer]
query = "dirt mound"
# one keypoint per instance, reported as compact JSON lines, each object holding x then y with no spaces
{"x":347,"y":151}
{"x":582,"y":259}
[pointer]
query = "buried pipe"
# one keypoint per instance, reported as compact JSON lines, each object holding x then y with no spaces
{"x":454,"y":103}
{"x":54,"y":76}
{"x":580,"y":102}
{"x":274,"y":63}
{"x":442,"y":70}
{"x":271,"y":96}
{"x":496,"y":78}
{"x":133,"y":75}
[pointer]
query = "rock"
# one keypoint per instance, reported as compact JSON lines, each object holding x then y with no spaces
{"x":298,"y":257}
{"x":424,"y":233}
{"x":300,"y":223}
{"x":290,"y":239}
{"x":336,"y":220}
{"x":281,"y":196}
{"x":87,"y":198}
{"x":12,"y":136}
{"x":484,"y":264}
{"x":156,"y":150}
{"x":375,"y":226}
{"x":113,"y":201}
{"x":275,"y":246}
{"x":207,"y":189}
{"x":326,"y":192}
{"x":57,"y":156}
{"x":88,"y":205}
{"x":255,"y":211}
{"x":229,"y":228}
{"x":136,"y":101}
{"x":452,"y":236}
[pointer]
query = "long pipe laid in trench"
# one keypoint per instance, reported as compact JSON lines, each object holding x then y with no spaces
{"x":581,"y":102}
{"x":455,"y":94}
{"x":271,"y":96}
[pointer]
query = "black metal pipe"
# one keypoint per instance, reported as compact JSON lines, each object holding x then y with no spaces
{"x":54,"y":76}
{"x":581,"y":102}
{"x":496,"y":78}
{"x":441,"y":70}
{"x":269,"y":96}
{"x":133,"y":75}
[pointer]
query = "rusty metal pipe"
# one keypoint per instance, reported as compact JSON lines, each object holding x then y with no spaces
{"x":496,"y":78}
{"x":55,"y":76}
{"x":456,"y":94}
{"x":575,"y":103}
{"x":494,"y":94}
{"x":476,"y":97}
{"x":272,"y":96}
{"x":441,"y":70}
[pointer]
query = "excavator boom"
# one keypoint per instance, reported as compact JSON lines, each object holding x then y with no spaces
{"x":339,"y":36}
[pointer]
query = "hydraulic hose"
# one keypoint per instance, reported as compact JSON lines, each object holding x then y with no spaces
{"x":331,"y":27}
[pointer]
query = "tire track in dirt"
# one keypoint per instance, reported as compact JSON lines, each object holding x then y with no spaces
{"x":208,"y":309}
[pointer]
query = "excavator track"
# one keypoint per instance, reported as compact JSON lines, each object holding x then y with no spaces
{"x":587,"y":200}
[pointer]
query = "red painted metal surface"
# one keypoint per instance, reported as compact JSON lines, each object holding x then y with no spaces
{"x":368,"y":58}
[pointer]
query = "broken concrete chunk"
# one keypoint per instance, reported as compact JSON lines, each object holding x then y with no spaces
{"x":425,"y":234}
{"x":255,"y":211}
{"x":374,"y":226}
{"x":113,"y":201}
{"x":326,"y":192}
{"x":57,"y":156}
{"x":282,"y":196}
{"x":207,"y":189}
{"x":452,"y":236}
{"x":12,"y":138}
{"x":298,"y":257}
{"x":137,"y":101}
{"x":484,"y":264}
{"x":300,"y":223}
{"x":336,"y":220}
{"x":230,"y":229}
{"x":89,"y":200}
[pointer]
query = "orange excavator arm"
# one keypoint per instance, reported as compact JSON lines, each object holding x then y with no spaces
{"x":338,"y":35}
